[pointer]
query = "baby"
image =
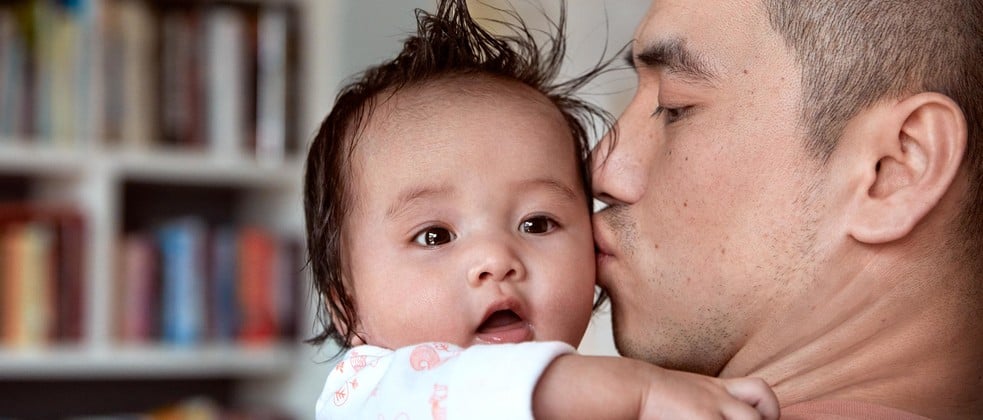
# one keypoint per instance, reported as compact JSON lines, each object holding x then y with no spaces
{"x":448,"y":208}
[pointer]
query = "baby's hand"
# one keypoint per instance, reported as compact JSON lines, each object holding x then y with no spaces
{"x":683,"y":395}
{"x":589,"y":387}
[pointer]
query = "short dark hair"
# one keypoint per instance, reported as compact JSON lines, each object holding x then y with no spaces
{"x":854,"y":53}
{"x":447,"y":44}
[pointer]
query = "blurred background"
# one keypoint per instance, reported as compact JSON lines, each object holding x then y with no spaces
{"x":151,"y":224}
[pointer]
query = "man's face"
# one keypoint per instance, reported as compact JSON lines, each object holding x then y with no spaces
{"x":712,"y":195}
{"x":470,"y":224}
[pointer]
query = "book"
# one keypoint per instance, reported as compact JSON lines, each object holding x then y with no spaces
{"x":226,"y":83}
{"x":37,"y":288}
{"x":139,"y":295}
{"x":271,"y":102}
{"x":69,"y":276}
{"x":42,"y":282}
{"x":256,"y":287}
{"x":63,"y":56}
{"x":223,"y":304}
{"x":41,"y":69}
{"x":11,"y":254}
{"x":180,"y":107}
{"x":112,"y":69}
{"x":27,"y":289}
{"x":183,"y":274}
{"x":13,"y":50}
{"x":130,"y":74}
{"x":289,"y":302}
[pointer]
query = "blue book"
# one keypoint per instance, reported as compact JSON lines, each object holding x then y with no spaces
{"x":182,"y":281}
{"x":223,"y":302}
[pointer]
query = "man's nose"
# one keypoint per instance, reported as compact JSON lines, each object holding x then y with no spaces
{"x":496,"y":260}
{"x":620,"y":165}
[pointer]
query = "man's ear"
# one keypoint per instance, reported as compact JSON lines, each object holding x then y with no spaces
{"x":909,"y":153}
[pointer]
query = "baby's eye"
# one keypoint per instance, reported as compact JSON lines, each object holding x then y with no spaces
{"x":433,"y":236}
{"x":537,"y":225}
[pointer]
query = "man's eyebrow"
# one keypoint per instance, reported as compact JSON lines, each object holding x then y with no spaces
{"x":674,"y":57}
{"x":406,"y":198}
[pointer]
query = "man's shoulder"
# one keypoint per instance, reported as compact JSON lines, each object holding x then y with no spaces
{"x":844,"y":410}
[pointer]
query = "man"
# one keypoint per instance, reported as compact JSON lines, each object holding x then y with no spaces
{"x":795,"y":194}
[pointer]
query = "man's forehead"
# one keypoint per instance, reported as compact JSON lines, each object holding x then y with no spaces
{"x":718,"y":31}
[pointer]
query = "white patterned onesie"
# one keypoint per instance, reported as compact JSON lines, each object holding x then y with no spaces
{"x":437,"y":381}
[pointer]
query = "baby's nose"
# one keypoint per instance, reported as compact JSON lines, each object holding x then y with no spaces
{"x":496,"y":262}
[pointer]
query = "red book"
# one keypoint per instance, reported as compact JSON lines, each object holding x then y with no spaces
{"x":69,"y":278}
{"x":137,"y":288}
{"x":11,"y":268}
{"x":257,"y":250}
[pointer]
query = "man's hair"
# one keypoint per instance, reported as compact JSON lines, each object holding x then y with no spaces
{"x":448,"y":44}
{"x":854,"y":53}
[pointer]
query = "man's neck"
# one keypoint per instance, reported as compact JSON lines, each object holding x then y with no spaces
{"x":910,"y":340}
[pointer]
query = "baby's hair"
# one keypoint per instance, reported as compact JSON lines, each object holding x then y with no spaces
{"x":447,"y":44}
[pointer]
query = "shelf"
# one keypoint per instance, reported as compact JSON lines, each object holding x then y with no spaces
{"x":147,"y":361}
{"x":199,"y":168}
{"x":182,"y":167}
{"x":40,"y":160}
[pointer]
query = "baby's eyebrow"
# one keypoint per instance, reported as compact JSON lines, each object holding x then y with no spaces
{"x":406,"y":198}
{"x":551,"y":184}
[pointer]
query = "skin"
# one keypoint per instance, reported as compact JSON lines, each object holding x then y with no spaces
{"x":489,"y":170}
{"x":728,"y":249}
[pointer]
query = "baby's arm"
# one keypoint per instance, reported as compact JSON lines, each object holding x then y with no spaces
{"x":586,"y":387}
{"x":437,"y":380}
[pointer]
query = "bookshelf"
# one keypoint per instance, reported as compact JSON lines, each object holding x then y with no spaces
{"x":95,"y":142}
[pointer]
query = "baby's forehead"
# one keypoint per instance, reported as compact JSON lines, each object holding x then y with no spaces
{"x":421,"y":100}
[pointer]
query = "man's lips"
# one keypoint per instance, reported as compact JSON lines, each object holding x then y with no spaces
{"x":601,"y":246}
{"x":603,"y":255}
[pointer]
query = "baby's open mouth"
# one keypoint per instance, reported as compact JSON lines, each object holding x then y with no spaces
{"x":503,"y":326}
{"x":499,"y":320}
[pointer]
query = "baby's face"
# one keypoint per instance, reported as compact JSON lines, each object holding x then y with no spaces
{"x":470,"y":224}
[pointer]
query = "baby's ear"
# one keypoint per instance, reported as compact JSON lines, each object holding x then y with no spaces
{"x":908,"y":155}
{"x":356,"y":340}
{"x":339,"y":324}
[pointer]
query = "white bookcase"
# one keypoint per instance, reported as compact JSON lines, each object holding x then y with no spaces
{"x":94,"y":177}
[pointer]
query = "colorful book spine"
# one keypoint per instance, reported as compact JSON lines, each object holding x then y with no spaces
{"x":182,"y":282}
{"x":69,"y":278}
{"x":256,"y":282}
{"x":41,"y":280}
{"x":28,"y":303}
{"x":204,"y":284}
{"x":271,"y":113}
{"x":137,"y":287}
{"x":224,"y":306}
{"x":226,"y":84}
{"x":216,"y":77}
